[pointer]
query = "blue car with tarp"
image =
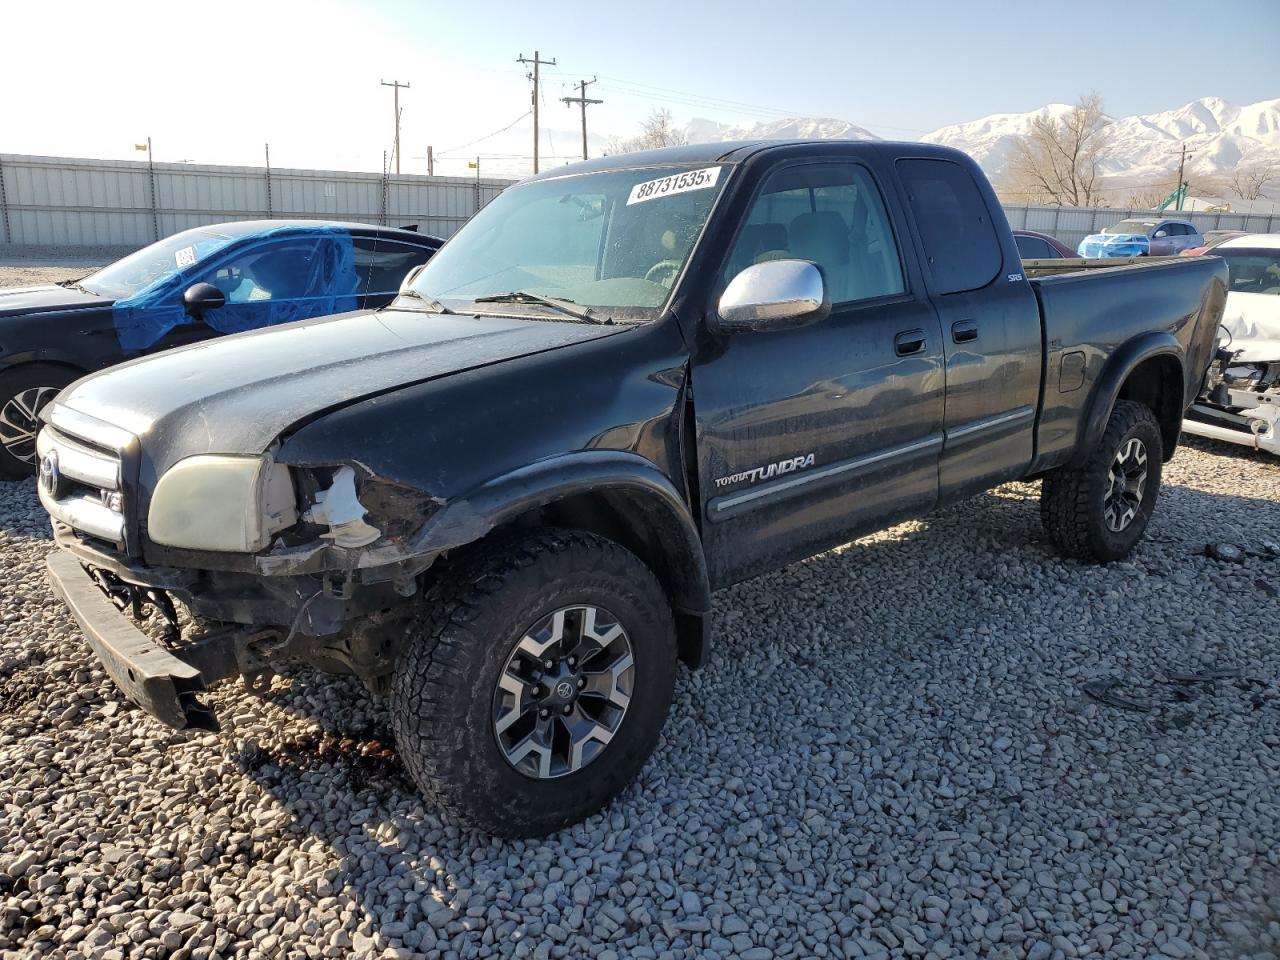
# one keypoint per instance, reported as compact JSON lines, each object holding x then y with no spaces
{"x":197,"y":284}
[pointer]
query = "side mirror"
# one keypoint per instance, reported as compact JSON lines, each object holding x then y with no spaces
{"x":411,"y":276}
{"x":774,"y":295}
{"x":1161,"y":233}
{"x":202,"y":297}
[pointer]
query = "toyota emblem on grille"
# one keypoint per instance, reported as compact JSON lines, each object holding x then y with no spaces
{"x":50,"y":475}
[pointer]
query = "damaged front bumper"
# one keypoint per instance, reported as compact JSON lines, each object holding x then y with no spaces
{"x":248,"y":623}
{"x":167,"y":684}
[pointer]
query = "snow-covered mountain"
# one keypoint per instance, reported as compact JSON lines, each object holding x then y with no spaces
{"x":700,"y":130}
{"x":1218,"y":135}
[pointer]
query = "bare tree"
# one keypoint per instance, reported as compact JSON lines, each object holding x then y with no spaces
{"x":657,"y":130}
{"x":1146,"y":199}
{"x":1247,"y":181}
{"x":1057,"y":162}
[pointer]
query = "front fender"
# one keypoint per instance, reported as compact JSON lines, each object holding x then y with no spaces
{"x":651,"y":502}
{"x":1114,"y":373}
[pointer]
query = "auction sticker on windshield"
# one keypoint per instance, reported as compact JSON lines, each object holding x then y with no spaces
{"x":185,"y":257}
{"x":703,"y":179}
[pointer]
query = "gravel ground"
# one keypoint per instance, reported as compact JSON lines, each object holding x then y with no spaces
{"x":894,"y":752}
{"x":27,"y":271}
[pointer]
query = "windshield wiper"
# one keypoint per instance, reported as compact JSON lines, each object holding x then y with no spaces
{"x":555,"y":303}
{"x":435,"y":305}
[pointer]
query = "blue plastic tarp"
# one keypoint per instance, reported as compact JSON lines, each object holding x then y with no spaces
{"x":282,"y":274}
{"x":1114,"y":245}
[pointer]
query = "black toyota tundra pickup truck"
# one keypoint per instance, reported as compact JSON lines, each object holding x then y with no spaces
{"x":506,"y":499}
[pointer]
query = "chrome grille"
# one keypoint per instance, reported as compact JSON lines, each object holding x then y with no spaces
{"x":81,"y":485}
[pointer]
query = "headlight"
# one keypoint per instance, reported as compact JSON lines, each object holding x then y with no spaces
{"x":222,"y":503}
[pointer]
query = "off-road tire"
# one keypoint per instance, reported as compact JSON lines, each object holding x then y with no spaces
{"x":29,"y":378}
{"x":1072,"y":496}
{"x":442,"y":693}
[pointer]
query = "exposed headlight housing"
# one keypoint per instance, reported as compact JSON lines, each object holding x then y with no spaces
{"x":222,"y":503}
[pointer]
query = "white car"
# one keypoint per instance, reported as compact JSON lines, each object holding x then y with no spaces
{"x":1241,"y":400}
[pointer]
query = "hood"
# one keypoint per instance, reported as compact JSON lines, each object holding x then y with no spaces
{"x":1253,"y":322}
{"x":47,"y":298}
{"x":238,"y":394}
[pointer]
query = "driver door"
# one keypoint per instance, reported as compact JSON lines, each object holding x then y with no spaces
{"x":807,"y":437}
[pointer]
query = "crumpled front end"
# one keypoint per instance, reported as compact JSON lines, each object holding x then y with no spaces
{"x":304,"y":564}
{"x":1240,"y":404}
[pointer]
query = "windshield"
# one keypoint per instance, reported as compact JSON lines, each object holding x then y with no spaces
{"x":1252,"y":271}
{"x":164,"y":258}
{"x":614,"y":241}
{"x":1134,"y":227}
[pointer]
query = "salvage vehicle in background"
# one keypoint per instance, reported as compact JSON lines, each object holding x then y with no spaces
{"x":1041,"y":246}
{"x":507,"y":498}
{"x":1141,"y":237}
{"x":1241,"y":401}
{"x":189,"y":287}
{"x":1212,"y":238}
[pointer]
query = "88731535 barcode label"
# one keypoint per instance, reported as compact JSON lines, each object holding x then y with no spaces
{"x":703,"y":179}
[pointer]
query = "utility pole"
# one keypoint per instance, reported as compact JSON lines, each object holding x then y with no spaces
{"x":1182,"y":166}
{"x":397,"y":85}
{"x":581,"y":100}
{"x":536,"y":62}
{"x":431,"y":161}
{"x":476,"y":165}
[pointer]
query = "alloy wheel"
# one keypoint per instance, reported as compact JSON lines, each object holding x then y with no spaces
{"x":20,"y":419}
{"x":1127,"y":482}
{"x":563,"y":692}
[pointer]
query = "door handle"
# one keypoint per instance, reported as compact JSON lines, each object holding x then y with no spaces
{"x":963,"y":331}
{"x":908,"y":342}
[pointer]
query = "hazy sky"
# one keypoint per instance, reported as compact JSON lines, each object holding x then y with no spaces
{"x":213,"y":82}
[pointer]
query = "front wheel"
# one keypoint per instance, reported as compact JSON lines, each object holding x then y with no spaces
{"x":1099,"y":509}
{"x":24,"y":392}
{"x":536,"y":682}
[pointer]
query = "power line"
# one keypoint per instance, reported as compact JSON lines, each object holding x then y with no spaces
{"x":582,"y":101}
{"x":631,"y":88}
{"x":469,"y":143}
{"x":537,"y":62}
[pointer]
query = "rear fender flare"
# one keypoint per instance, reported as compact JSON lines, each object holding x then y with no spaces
{"x":1114,"y":373}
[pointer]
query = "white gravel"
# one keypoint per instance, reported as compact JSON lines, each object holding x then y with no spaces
{"x":892,"y":753}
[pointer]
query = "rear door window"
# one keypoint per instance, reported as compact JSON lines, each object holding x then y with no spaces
{"x":960,"y":241}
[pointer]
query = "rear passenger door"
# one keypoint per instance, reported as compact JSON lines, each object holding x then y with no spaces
{"x":808,"y":436}
{"x":990,"y":324}
{"x":382,"y":263}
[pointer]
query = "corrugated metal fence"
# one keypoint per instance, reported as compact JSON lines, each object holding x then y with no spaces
{"x":1073,"y":224}
{"x":61,"y":201}
{"x":123,"y":203}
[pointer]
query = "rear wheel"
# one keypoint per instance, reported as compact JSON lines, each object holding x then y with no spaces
{"x":24,"y":392}
{"x":536,"y":683}
{"x":1099,"y":509}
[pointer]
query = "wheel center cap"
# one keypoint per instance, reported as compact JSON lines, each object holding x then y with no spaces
{"x":563,"y":690}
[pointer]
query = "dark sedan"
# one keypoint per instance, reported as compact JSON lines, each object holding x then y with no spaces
{"x":201,"y":283}
{"x":1040,"y":246}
